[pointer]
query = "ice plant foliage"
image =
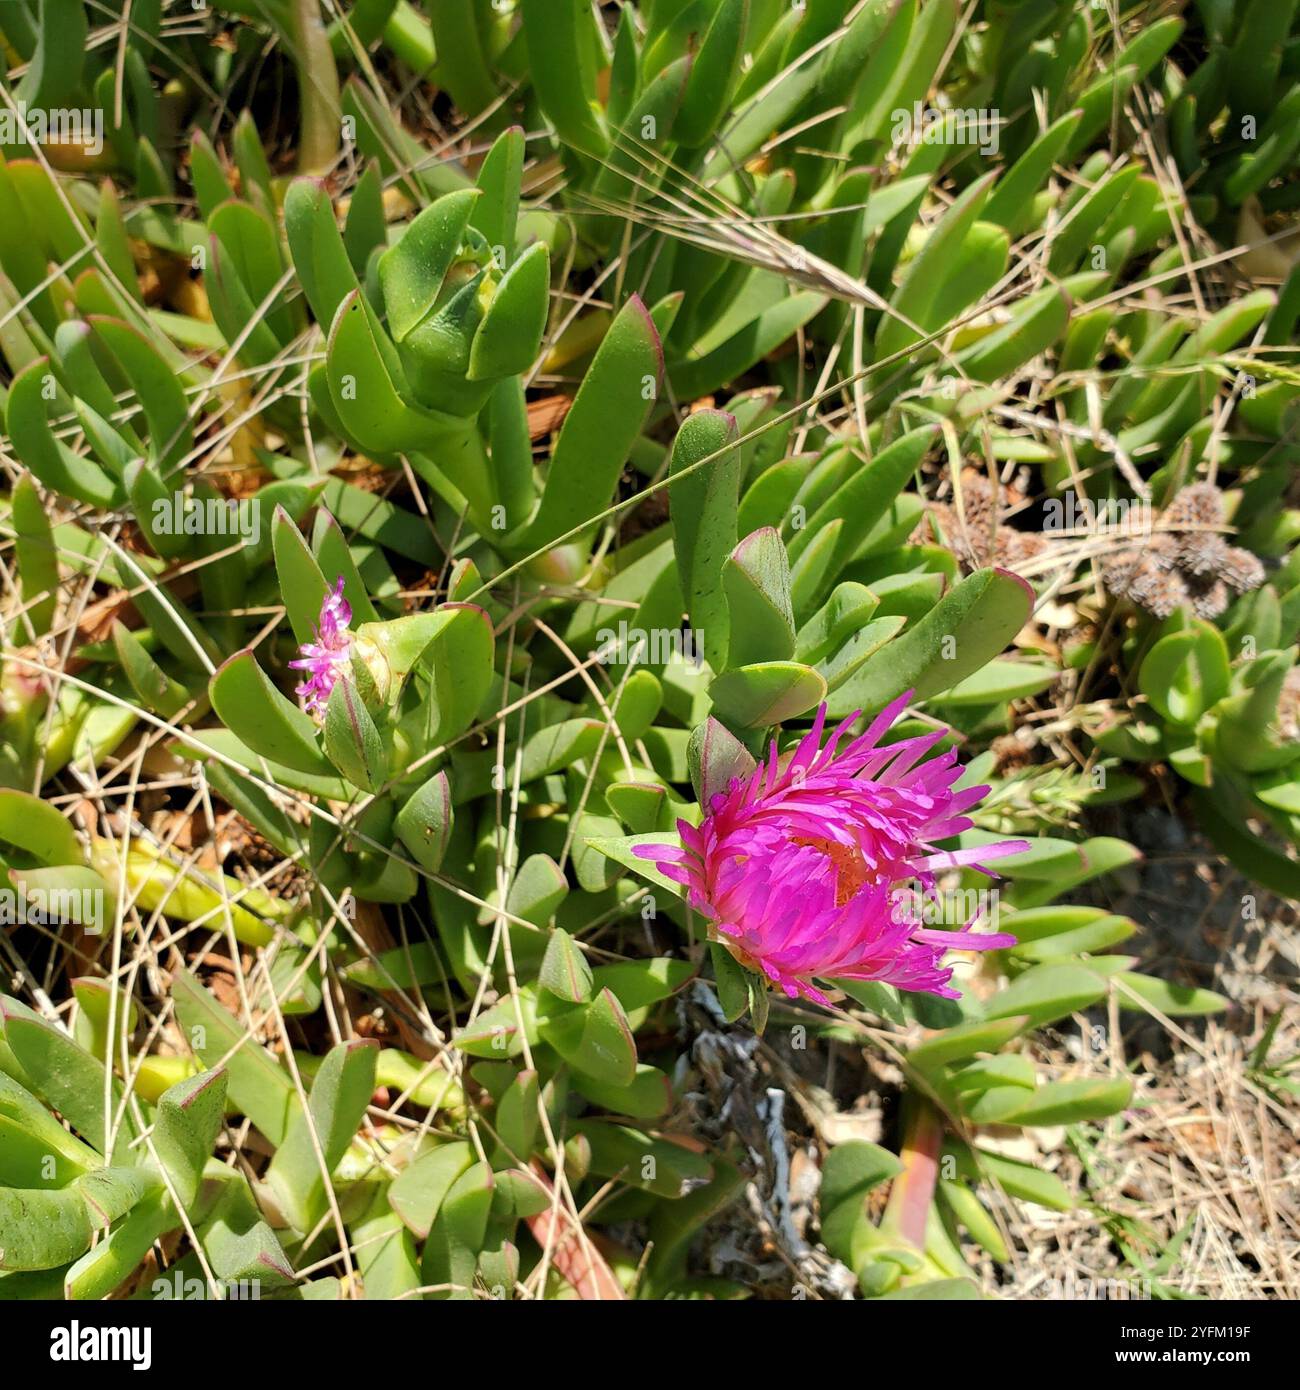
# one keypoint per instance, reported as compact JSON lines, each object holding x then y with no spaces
{"x":326,"y":658}
{"x":439,"y":745}
{"x":800,"y":868}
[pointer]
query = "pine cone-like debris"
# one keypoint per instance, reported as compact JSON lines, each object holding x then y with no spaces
{"x":974,"y":533}
{"x":1189,"y":562}
{"x":1288,"y":706}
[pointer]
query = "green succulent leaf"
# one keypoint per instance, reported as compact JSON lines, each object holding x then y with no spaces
{"x":255,"y":711}
{"x":411,"y":272}
{"x":318,"y":1136}
{"x":43,"y":1229}
{"x":598,"y":432}
{"x":564,"y":970}
{"x":190,"y":1115}
{"x":425,"y":822}
{"x":756,"y":583}
{"x":964,"y":630}
{"x":352,"y":742}
{"x":257,"y":1086}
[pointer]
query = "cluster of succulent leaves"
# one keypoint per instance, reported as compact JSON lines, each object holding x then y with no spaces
{"x":464,"y":776}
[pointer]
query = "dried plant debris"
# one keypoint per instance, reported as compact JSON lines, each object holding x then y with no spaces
{"x":1288,"y":706}
{"x":1185,"y":560}
{"x":973,"y":527}
{"x":1196,"y":1186}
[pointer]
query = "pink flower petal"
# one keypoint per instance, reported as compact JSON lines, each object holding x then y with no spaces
{"x":796,"y":865}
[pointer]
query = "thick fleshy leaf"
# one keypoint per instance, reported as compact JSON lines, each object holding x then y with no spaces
{"x":425,"y":822}
{"x":638,"y":984}
{"x":595,"y":1038}
{"x":641,"y":806}
{"x":703,"y":508}
{"x":258,"y":1087}
{"x":538,"y":890}
{"x":756,"y":582}
{"x":713,"y":74}
{"x":1185,"y":673}
{"x":1023,"y":1180}
{"x":367,"y":384}
{"x":763,"y":334}
{"x":154,"y":688}
{"x":716,"y":758}
{"x":845,"y":612}
{"x":412,"y":271}
{"x":189,"y":1117}
{"x":37,"y":827}
{"x":562,"y":66}
{"x":510,"y":334}
{"x":352,"y":741}
{"x":851,"y":1171}
{"x":35,"y":1150}
{"x":50,"y":460}
{"x":459,"y":658}
{"x":235,"y":310}
{"x":1094,"y":938}
{"x":267,"y":722}
{"x":621,"y":1151}
{"x":965,"y":1040}
{"x":319,"y":256}
{"x":1010,"y":202}
{"x":339,"y":1095}
{"x":334,"y":555}
{"x":117,"y":1256}
{"x":865,"y":496}
{"x":1048,"y":992}
{"x":497,"y":209}
{"x":606,"y":417}
{"x":917,"y":306}
{"x":999,"y":681}
{"x":565,"y":971}
{"x":69,"y":1078}
{"x":157,"y":389}
{"x":648,"y":1096}
{"x":496,"y":1032}
{"x":303,"y":585}
{"x":755,"y":697}
{"x":42,"y":1229}
{"x":1072,"y":1102}
{"x":964,"y":630}
{"x":417,"y":1192}
{"x":1172,"y":1000}
{"x":457,"y":1237}
{"x":38,"y":563}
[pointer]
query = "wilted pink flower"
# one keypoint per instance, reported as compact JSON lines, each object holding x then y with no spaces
{"x":798,"y":867}
{"x":329,"y":656}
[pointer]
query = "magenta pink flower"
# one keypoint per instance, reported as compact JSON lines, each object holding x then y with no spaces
{"x":800,"y":868}
{"x":330,"y":655}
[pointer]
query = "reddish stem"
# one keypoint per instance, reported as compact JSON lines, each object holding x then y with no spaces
{"x":572,"y":1252}
{"x":913,"y":1190}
